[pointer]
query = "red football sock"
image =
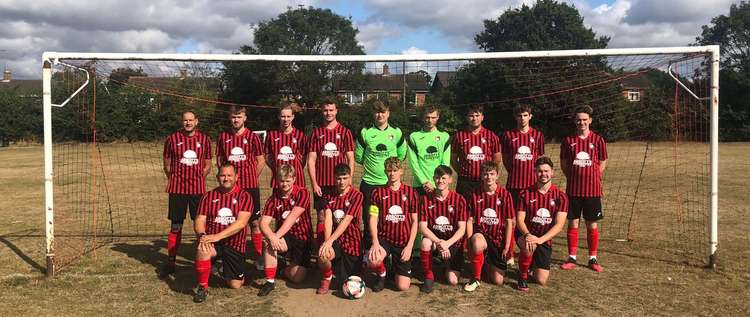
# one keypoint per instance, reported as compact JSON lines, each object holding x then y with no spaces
{"x":327,"y":273}
{"x":592,"y":237}
{"x":426,"y":258}
{"x":380,"y":269}
{"x":524,"y":263}
{"x":173,"y":243}
{"x":572,"y":241}
{"x":202,"y":272}
{"x":320,"y":232}
{"x":476,"y":262}
{"x":270,"y":273}
{"x":258,"y":243}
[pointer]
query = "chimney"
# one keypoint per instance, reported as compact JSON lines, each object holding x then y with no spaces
{"x":386,"y":71}
{"x":7,"y":76}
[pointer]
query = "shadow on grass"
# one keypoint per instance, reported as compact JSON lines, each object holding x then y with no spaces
{"x":23,"y":256}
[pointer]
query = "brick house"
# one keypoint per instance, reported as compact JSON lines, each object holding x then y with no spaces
{"x":391,"y":85}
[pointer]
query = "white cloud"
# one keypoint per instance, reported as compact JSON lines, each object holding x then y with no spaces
{"x":371,"y":35}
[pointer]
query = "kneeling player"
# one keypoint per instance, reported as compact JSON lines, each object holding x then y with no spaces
{"x":542,"y":210}
{"x":393,"y":227}
{"x":289,"y":206}
{"x":491,"y":215}
{"x":341,"y":249}
{"x":442,"y":222}
{"x":221,"y":226}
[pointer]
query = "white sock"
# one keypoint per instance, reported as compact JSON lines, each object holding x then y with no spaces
{"x":592,"y":257}
{"x":572,"y":257}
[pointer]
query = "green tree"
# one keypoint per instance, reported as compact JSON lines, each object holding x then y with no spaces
{"x":553,"y":86}
{"x":300,"y":31}
{"x":731,"y":32}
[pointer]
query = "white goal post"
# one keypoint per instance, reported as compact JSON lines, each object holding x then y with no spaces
{"x":51,"y":58}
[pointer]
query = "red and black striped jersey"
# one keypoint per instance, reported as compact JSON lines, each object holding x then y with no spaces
{"x":394,"y":208}
{"x":330,"y":147}
{"x":474,"y":149}
{"x":583,"y":156}
{"x":520,"y":150}
{"x":349,"y":203}
{"x":541,"y":209}
{"x":187,"y":157}
{"x":443,"y":216}
{"x":222,"y":210}
{"x":280,"y":207}
{"x":490,"y":213}
{"x":241,"y":151}
{"x":283,"y":148}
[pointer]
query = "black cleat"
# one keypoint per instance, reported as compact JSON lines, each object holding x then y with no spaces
{"x":523,"y":285}
{"x":201,"y":294}
{"x":427,"y":286}
{"x":266,"y":289}
{"x":166,"y":270}
{"x":379,"y":284}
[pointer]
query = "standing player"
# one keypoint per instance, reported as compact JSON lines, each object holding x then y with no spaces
{"x":187,"y":161}
{"x":242,"y":148}
{"x":393,"y":227}
{"x":490,"y":227}
{"x":542,"y":210}
{"x":583,"y":158}
{"x":286,"y":146}
{"x":442,"y":222}
{"x":341,"y":249}
{"x":374,"y":145}
{"x":221,"y":227}
{"x":329,"y":145}
{"x":289,"y":206}
{"x":472,"y":147}
{"x":428,"y":148}
{"x":520,"y":148}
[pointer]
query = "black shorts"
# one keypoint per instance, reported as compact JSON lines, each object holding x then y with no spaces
{"x":401,"y":268}
{"x":255,"y":195}
{"x":320,"y":202}
{"x":465,"y":187}
{"x":590,"y":207}
{"x":232,"y":261}
{"x":457,"y":257}
{"x":494,"y":253}
{"x":514,"y":192}
{"x":344,"y":264}
{"x":179,"y":204}
{"x":542,"y":257}
{"x":298,"y":251}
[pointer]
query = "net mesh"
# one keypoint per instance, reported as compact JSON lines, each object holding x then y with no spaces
{"x":109,"y":184}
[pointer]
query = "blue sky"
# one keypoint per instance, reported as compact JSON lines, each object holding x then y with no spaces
{"x":386,"y":26}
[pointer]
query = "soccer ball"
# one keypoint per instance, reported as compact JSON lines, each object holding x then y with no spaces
{"x":354,"y":287}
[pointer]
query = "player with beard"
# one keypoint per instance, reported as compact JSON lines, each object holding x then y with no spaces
{"x":442,"y":222}
{"x":393,"y":227}
{"x":242,"y":148}
{"x":541,"y":214}
{"x":289,"y":207}
{"x":221,"y":226}
{"x":428,"y":148}
{"x":187,"y":162}
{"x":341,"y":250}
{"x":490,"y":226}
{"x":329,"y":145}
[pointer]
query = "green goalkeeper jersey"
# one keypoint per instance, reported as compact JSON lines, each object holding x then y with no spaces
{"x":427,"y":150}
{"x":374,"y":146}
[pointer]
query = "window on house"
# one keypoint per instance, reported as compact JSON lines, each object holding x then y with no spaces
{"x":634,"y":96}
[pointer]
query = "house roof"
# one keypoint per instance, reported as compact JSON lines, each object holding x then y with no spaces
{"x":27,"y":85}
{"x":444,"y":78}
{"x":379,"y":82}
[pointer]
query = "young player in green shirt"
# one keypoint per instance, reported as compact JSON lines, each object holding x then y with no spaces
{"x":428,"y":149}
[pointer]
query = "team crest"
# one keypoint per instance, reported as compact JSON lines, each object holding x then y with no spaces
{"x":591,"y":146}
{"x":437,"y":139}
{"x":346,"y":203}
{"x":244,"y":141}
{"x":531,"y":139}
{"x":403,"y":197}
{"x":450,"y":208}
{"x":390,"y":137}
{"x":197,"y":144}
{"x":552,"y":203}
{"x":291,"y":201}
{"x":484,"y":140}
{"x":234,"y":201}
{"x":338,"y":136}
{"x":294,"y":140}
{"x":498,"y":202}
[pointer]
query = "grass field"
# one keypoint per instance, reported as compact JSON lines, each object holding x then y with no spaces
{"x":651,"y":275}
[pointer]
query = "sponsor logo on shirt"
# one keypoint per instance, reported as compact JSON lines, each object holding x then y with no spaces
{"x":489,"y":217}
{"x":542,"y":217}
{"x":285,"y":154}
{"x":330,"y":150}
{"x":395,"y":214}
{"x":225,"y":217}
{"x":442,"y":224}
{"x":189,"y":158}
{"x":338,"y":215}
{"x":237,"y":155}
{"x":475,"y":154}
{"x":524,"y":154}
{"x":583,"y":159}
